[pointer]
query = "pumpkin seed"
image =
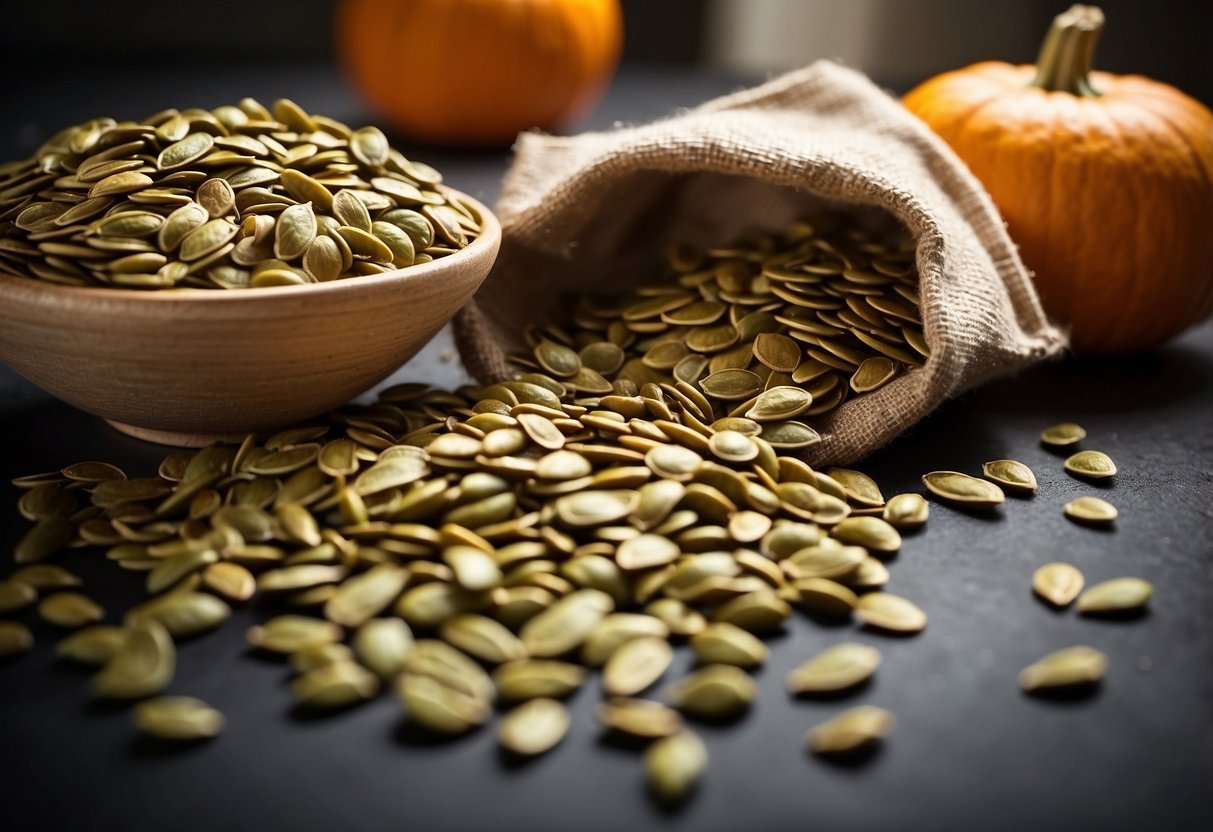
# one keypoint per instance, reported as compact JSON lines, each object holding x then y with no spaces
{"x":890,"y":612}
{"x":1091,"y":465}
{"x":1057,"y":583}
{"x":906,"y":511}
{"x":44,"y":576}
{"x":640,"y":718}
{"x":292,"y":633}
{"x":16,"y":595}
{"x":336,"y":685}
{"x":143,"y":666}
{"x":364,"y":596}
{"x":963,"y":490}
{"x":70,"y":609}
{"x":823,"y":597}
{"x":725,"y":643}
{"x":1073,"y":667}
{"x":534,"y":727}
{"x":838,"y":668}
{"x":537,"y":678}
{"x":715,"y":692}
{"x":482,"y":637}
{"x":92,"y":645}
{"x":674,"y":765}
{"x":15,"y":639}
{"x":439,"y":708}
{"x":382,"y":644}
{"x":1091,"y":510}
{"x":872,"y":533}
{"x":566,"y":624}
{"x":178,"y":718}
{"x":851,"y":731}
{"x":635,"y":665}
{"x":1118,"y":595}
{"x":1010,"y":474}
{"x":1063,"y":435}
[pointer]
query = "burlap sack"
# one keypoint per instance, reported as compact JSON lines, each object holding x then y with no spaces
{"x":598,"y":212}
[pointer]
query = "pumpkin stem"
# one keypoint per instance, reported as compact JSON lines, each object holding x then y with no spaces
{"x":1066,"y":55}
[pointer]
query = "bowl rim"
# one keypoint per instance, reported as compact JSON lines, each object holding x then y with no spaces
{"x":489,"y":237}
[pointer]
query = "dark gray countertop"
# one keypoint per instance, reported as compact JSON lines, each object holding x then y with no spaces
{"x":969,"y":752}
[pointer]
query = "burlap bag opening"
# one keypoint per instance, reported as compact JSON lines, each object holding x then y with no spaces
{"x":598,"y":212}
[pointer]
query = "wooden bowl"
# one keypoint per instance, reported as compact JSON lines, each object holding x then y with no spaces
{"x":192,"y":366}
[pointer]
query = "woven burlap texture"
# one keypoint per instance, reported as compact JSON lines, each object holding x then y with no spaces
{"x":598,"y":211}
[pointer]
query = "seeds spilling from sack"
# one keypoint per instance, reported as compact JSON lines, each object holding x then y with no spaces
{"x":228,"y":198}
{"x":755,"y":337}
{"x":586,"y":513}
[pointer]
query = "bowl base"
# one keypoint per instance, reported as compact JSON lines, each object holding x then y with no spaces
{"x":180,"y":440}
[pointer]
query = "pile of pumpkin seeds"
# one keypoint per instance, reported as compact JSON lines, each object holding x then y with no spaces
{"x":234,"y":197}
{"x":756,"y":337}
{"x":487,"y":548}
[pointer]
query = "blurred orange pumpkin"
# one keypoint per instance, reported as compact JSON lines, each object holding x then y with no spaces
{"x":1105,"y":181}
{"x":476,"y":72}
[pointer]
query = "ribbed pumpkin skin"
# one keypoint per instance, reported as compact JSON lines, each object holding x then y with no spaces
{"x":476,"y":72}
{"x":1110,"y":199}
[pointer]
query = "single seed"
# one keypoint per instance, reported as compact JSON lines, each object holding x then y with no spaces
{"x":1057,"y":583}
{"x":533,"y":727}
{"x":1091,"y":465}
{"x":1063,"y":435}
{"x":1119,"y":595}
{"x":1091,"y":510}
{"x":838,"y":668}
{"x":851,"y":731}
{"x":178,"y":718}
{"x":1010,"y":474}
{"x":1074,"y":667}
{"x":674,"y":765}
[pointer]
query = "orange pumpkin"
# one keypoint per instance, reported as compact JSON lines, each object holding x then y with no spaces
{"x":1105,"y":181}
{"x":479,"y":71}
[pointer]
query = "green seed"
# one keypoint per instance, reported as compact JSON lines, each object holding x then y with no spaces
{"x":1072,"y":667}
{"x":851,"y":731}
{"x":1119,"y":595}
{"x":1091,"y":465}
{"x":836,"y":669}
{"x":178,"y":718}
{"x":674,"y":765}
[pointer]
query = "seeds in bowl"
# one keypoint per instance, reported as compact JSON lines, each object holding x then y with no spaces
{"x":235,"y":197}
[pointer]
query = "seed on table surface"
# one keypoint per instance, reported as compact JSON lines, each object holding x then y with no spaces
{"x":310,"y":658}
{"x":1063,"y":435}
{"x":906,"y":511}
{"x":533,"y":727}
{"x":1091,"y":465}
{"x":1091,"y":510}
{"x":142,"y":666}
{"x":872,"y":533}
{"x":182,"y":613}
{"x":724,"y":643}
{"x":851,"y":731}
{"x":615,"y":630}
{"x":92,"y":645}
{"x":963,"y":490}
{"x":835,"y":669}
{"x":640,"y":718}
{"x":1070,"y":668}
{"x":890,"y":612}
{"x":292,"y":633}
{"x":566,"y":624}
{"x":438,"y":708}
{"x":383,"y":644}
{"x":858,"y":486}
{"x":674,"y":765}
{"x":178,"y":718}
{"x":16,"y":595}
{"x":537,"y":678}
{"x":1010,"y":474}
{"x":714,"y":692}
{"x":48,"y":535}
{"x":70,"y":609}
{"x":821,"y":596}
{"x":635,"y":665}
{"x":231,"y":580}
{"x":338,"y":684}
{"x":1057,"y":583}
{"x":1119,"y":595}
{"x":44,"y":576}
{"x":482,"y":637}
{"x":15,"y":639}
